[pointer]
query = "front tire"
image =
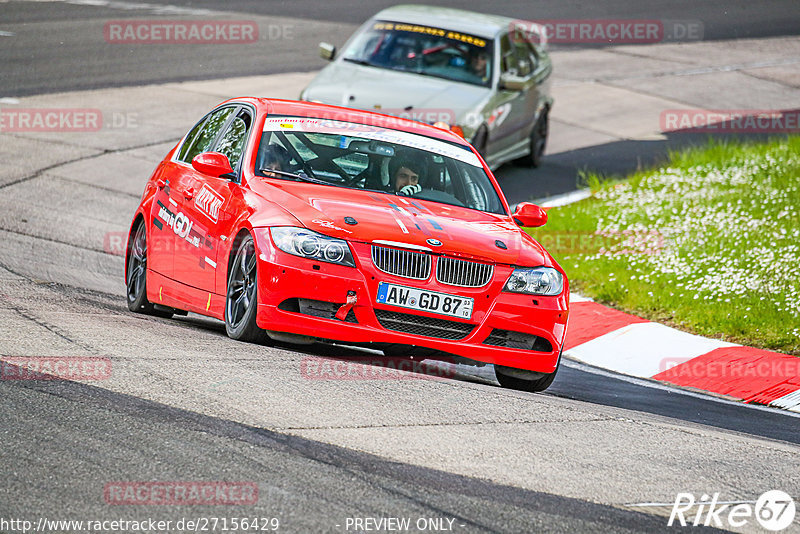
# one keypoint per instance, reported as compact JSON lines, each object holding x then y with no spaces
{"x":480,"y":139}
{"x":532,"y":385}
{"x":241,"y":302}
{"x":538,"y":141}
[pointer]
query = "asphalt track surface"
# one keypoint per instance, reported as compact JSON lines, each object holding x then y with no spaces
{"x":50,"y":54}
{"x":192,"y":405}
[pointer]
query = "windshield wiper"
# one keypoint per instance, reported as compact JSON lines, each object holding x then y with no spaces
{"x":297,"y":176}
{"x":359,"y":61}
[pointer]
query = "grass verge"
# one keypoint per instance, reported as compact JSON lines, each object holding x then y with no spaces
{"x":709,"y":243}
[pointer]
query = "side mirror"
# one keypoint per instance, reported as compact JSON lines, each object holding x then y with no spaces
{"x":327,"y":51}
{"x":512,"y":82}
{"x":213,"y":164}
{"x":528,"y":214}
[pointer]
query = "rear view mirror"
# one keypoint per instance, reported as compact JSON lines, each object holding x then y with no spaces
{"x":369,"y":147}
{"x":327,"y":51}
{"x":528,"y":214}
{"x":213,"y":164}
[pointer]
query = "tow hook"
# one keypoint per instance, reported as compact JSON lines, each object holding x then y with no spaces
{"x":345,"y":308}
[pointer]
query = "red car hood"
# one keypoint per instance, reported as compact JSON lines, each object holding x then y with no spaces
{"x":462,"y":232}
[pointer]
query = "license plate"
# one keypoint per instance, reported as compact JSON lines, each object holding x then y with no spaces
{"x":421,"y":299}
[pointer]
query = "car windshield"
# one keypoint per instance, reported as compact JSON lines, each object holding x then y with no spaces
{"x":366,"y":157}
{"x":423,"y":50}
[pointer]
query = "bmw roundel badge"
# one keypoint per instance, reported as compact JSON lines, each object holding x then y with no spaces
{"x":434,"y":242}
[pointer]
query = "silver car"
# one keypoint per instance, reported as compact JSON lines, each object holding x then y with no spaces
{"x":486,"y":77}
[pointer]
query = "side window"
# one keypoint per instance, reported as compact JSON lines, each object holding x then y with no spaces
{"x":508,"y":61}
{"x":233,"y":140}
{"x":187,"y":143}
{"x":533,"y":55}
{"x":523,"y":57}
{"x":202,"y":140}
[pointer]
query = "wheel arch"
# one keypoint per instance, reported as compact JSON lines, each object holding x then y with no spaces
{"x":137,"y":220}
{"x":240,"y":235}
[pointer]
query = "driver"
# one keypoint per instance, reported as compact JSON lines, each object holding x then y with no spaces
{"x":405,"y":174}
{"x":276,"y":158}
{"x":478,"y":63}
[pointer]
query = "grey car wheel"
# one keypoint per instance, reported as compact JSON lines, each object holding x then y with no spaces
{"x":479,"y":140}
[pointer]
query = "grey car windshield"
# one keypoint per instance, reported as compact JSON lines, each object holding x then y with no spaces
{"x":364,"y":157}
{"x":423,"y":50}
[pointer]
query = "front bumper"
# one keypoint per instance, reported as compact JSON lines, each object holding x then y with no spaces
{"x":284,"y":280}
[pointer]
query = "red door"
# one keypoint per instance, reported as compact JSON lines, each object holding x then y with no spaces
{"x":204,"y":203}
{"x":160,"y":237}
{"x":204,"y":200}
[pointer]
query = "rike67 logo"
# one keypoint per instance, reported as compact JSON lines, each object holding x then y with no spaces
{"x":774,"y":510}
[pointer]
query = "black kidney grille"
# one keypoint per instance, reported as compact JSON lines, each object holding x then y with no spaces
{"x":404,"y":263}
{"x":463,"y":273}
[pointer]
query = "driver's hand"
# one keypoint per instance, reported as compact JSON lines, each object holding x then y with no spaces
{"x":409,"y":190}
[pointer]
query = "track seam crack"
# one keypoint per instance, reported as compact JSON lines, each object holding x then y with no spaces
{"x":56,"y":241}
{"x":49,"y":327}
{"x":38,"y":173}
{"x":423,"y":425}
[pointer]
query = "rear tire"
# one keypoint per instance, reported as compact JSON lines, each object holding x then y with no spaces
{"x":241,"y":301}
{"x":533,"y":385}
{"x":136,"y":274}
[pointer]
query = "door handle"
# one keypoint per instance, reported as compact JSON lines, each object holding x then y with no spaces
{"x":161,"y":183}
{"x":189,"y":193}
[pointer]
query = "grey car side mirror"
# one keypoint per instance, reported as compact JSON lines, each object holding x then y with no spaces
{"x":327,"y":51}
{"x":512,"y":82}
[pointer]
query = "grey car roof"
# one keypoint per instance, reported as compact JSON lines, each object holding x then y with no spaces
{"x":478,"y":24}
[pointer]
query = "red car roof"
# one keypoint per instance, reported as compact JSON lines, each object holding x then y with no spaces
{"x":275,"y":106}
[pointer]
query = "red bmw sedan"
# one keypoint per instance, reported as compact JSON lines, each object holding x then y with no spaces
{"x":297,"y":220}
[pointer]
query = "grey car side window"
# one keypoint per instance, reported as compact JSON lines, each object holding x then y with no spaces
{"x":523,"y":57}
{"x":508,"y":61}
{"x":533,"y":55}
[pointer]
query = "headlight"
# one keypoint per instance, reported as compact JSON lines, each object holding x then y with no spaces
{"x":535,"y":281}
{"x":309,"y":244}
